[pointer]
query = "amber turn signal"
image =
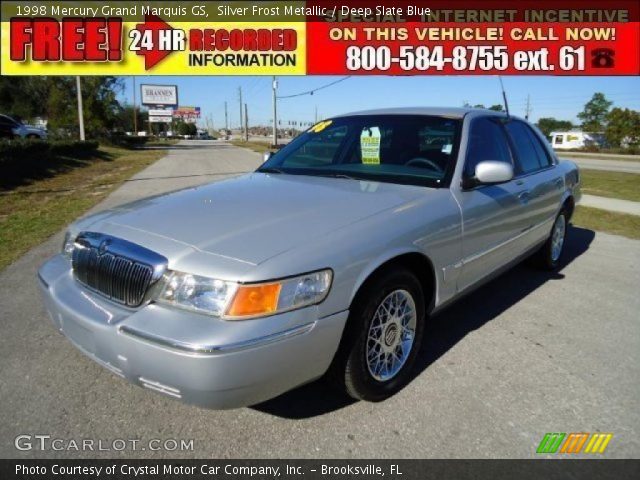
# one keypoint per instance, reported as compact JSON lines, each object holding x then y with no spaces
{"x":252,"y":300}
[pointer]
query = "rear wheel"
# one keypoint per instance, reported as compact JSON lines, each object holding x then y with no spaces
{"x":551,"y":252}
{"x":383,"y":336}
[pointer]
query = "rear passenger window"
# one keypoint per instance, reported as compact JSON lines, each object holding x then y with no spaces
{"x":526,"y":155}
{"x":541,"y":151}
{"x":487,"y":141}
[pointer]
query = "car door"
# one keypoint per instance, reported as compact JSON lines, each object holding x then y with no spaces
{"x":6,"y":127}
{"x":537,"y":172}
{"x":493,"y":216}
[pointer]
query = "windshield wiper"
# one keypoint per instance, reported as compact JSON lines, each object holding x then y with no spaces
{"x":337,"y":175}
{"x":270,"y":170}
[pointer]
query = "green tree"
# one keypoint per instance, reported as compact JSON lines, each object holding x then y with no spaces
{"x":61,"y":107}
{"x":24,"y":97}
{"x":124,"y":119}
{"x":623,"y":127}
{"x":595,"y":112}
{"x":100,"y":104}
{"x":497,"y":107}
{"x":550,"y":124}
{"x":184,"y":128}
{"x":54,"y":98}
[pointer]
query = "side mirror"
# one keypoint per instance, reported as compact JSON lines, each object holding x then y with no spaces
{"x":490,"y":172}
{"x":266,"y":156}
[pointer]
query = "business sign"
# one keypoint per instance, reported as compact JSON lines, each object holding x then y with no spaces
{"x":317,"y":37}
{"x":159,"y":95}
{"x":160,"y":119}
{"x":158,"y":112}
{"x":187,"y":112}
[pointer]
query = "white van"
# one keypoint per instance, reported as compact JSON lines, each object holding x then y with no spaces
{"x":574,"y":139}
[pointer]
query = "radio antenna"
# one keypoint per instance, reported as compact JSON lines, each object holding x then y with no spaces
{"x":504,"y":96}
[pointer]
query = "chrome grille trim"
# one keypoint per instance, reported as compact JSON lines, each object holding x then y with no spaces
{"x":115,"y":268}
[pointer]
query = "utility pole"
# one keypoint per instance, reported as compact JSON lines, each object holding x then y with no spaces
{"x":240,"y":97}
{"x":80,"y":112}
{"x":275,"y":115}
{"x":528,"y":109}
{"x":316,"y":116}
{"x":226,"y":118}
{"x":246,"y":123}
{"x":135,"y":109}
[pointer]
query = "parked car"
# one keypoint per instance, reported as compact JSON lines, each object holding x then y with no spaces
{"x":203,"y":135}
{"x":328,"y":258}
{"x":6,"y":130}
{"x":19,"y":129}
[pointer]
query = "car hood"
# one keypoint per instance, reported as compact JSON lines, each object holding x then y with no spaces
{"x":256,"y":216}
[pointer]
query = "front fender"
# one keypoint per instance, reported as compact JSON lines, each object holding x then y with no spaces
{"x":388,"y":256}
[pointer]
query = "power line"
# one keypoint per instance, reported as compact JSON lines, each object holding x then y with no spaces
{"x":311,"y":92}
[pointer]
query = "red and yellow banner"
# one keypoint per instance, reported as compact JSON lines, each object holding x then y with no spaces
{"x":320,"y":38}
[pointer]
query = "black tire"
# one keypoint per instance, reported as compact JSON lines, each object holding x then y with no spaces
{"x":350,"y":370}
{"x":545,"y":257}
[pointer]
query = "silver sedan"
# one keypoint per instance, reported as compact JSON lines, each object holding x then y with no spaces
{"x":329,"y":258}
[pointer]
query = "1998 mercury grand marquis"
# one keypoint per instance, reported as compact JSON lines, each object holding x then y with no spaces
{"x":328,"y":258}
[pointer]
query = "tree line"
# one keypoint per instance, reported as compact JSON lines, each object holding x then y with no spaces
{"x":54,"y":98}
{"x":621,"y":126}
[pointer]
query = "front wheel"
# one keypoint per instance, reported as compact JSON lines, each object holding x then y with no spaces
{"x":551,"y":252}
{"x":383,"y":336}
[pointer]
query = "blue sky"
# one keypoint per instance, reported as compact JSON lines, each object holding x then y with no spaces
{"x":560,"y":97}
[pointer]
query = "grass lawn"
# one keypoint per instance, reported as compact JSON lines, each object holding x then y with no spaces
{"x":625,"y":186}
{"x":161,"y":142}
{"x":259,"y":147}
{"x":31,"y":213}
{"x":610,"y":222}
{"x":623,"y":155}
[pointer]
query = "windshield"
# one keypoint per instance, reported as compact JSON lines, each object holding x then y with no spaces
{"x":410,"y":149}
{"x":12,"y":120}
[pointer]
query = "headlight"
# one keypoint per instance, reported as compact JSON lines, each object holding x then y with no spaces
{"x":68,"y":244}
{"x":234,"y":301}
{"x":197,"y":293}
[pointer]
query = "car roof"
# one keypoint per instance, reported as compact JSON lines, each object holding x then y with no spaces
{"x":450,"y":112}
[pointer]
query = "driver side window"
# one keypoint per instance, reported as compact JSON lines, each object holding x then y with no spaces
{"x":487,"y":141}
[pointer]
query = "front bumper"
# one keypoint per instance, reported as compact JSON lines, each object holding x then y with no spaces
{"x":195,"y":358}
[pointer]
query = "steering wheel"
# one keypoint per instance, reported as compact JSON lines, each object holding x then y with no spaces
{"x":424,"y":162}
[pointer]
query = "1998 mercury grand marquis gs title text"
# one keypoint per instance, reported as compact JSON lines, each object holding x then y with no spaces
{"x":329,"y":258}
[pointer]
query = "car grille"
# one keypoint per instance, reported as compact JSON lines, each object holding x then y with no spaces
{"x":118,"y":277}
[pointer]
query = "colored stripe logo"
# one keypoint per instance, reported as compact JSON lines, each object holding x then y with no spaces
{"x":574,"y":443}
